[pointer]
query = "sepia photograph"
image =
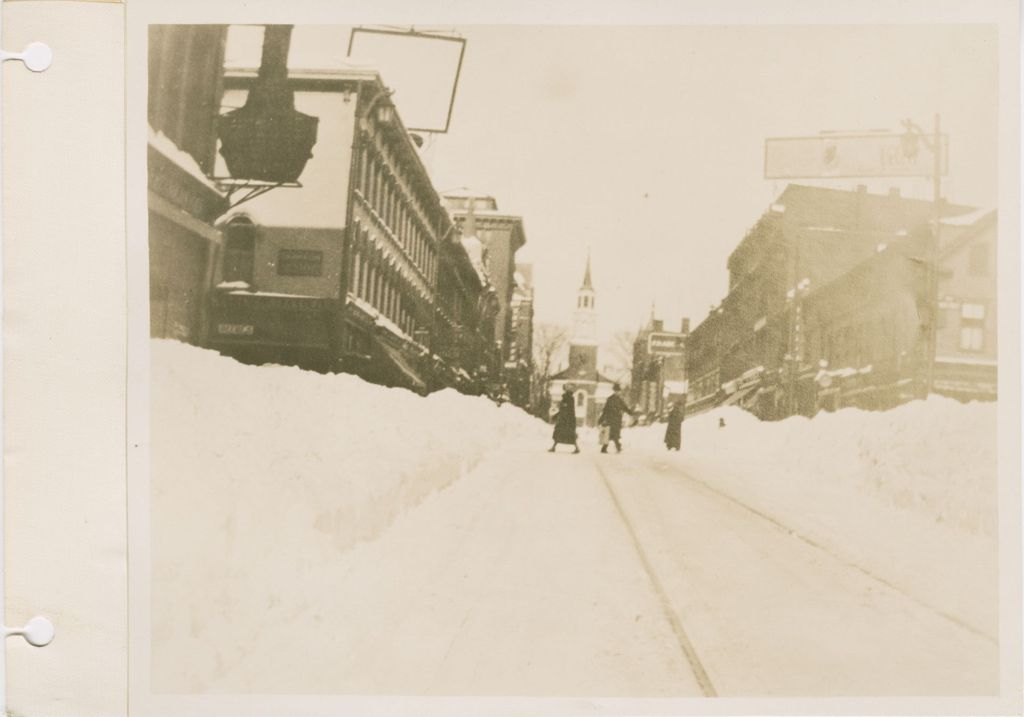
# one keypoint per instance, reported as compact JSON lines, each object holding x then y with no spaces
{"x":599,"y":361}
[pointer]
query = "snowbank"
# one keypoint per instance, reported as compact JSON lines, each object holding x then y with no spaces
{"x":908,"y":494}
{"x":276,"y":471}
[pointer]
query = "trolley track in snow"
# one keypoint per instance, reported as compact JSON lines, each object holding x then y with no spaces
{"x":665,"y":468}
{"x":682,"y":637}
{"x":813,"y":597}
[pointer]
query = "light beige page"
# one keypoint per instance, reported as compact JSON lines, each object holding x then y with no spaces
{"x":64,"y":345}
{"x":79,"y":543}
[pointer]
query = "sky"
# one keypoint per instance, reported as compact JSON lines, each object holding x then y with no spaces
{"x":644,"y":145}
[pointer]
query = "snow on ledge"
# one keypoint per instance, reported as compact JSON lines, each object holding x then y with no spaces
{"x":165,"y":146}
{"x":966,"y":220}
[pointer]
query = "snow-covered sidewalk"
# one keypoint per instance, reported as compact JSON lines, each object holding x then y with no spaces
{"x":262,"y":476}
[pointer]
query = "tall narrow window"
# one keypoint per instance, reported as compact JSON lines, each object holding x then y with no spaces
{"x":239,"y":250}
{"x":972,"y":338}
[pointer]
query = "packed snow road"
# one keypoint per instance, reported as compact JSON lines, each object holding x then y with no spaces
{"x":603,"y":576}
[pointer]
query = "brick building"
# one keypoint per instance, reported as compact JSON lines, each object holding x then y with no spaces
{"x":751,"y":349}
{"x":502,"y":235}
{"x":519,"y":367}
{"x":659,"y":367}
{"x":355,"y":266}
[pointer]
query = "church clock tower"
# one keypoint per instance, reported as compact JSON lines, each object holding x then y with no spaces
{"x":583,"y":340}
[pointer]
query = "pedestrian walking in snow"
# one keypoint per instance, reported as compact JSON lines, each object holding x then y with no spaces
{"x":565,"y":423}
{"x":611,"y":416}
{"x":674,"y":430}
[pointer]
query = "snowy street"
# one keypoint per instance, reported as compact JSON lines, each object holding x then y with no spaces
{"x":456,"y":556}
{"x":610,"y":576}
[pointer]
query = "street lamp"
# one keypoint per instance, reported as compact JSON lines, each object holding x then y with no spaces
{"x":267,"y":140}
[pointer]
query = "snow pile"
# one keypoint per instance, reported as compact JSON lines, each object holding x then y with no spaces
{"x":276,"y":471}
{"x":909,"y":494}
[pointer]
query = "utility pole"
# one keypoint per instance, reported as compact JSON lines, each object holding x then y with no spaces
{"x":916,"y":135}
{"x":933,"y":258}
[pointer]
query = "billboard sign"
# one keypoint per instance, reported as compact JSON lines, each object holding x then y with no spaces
{"x":851,"y":155}
{"x":422,"y":68}
{"x":666,"y":343}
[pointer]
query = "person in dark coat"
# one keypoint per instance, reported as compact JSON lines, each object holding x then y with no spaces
{"x":565,"y":423}
{"x":674,"y":430}
{"x":611,"y":416}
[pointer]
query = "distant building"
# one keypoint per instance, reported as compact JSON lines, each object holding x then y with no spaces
{"x":502,"y":235}
{"x":751,"y":350}
{"x":866,"y":331}
{"x":468,"y":308}
{"x":519,"y":367}
{"x":590,"y":388}
{"x":659,"y":367}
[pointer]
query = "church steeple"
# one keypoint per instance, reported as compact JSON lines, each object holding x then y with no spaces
{"x":586,"y":276}
{"x":584,"y":329}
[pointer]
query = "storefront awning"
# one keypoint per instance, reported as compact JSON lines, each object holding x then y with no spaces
{"x":401,"y":365}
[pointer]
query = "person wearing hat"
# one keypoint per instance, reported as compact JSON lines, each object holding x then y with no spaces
{"x":565,"y":422}
{"x":611,"y":416}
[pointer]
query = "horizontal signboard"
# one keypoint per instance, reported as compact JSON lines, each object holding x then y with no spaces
{"x":300,"y":262}
{"x":837,"y":156}
{"x":666,"y":343}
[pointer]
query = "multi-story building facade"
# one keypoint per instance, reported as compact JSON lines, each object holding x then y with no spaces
{"x":185,"y":82}
{"x":751,"y":348}
{"x":659,"y":367}
{"x":468,"y":310}
{"x":502,"y":235}
{"x":519,"y":367}
{"x":357,"y":267}
{"x":867,"y":332}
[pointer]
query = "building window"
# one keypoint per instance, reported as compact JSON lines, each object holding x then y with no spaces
{"x":581,"y":399}
{"x":972,"y":338}
{"x":979,"y":260}
{"x":355,"y":274}
{"x":239,"y":250}
{"x":974,"y":312}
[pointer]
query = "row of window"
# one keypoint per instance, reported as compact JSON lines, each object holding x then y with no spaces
{"x":878,"y":340}
{"x":383,"y":292}
{"x":397,"y":209}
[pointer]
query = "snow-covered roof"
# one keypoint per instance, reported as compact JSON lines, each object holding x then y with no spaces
{"x":244,"y":285}
{"x":475,"y":249}
{"x":165,"y":146}
{"x":467,"y":193}
{"x":332,"y":70}
{"x":271,"y":294}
